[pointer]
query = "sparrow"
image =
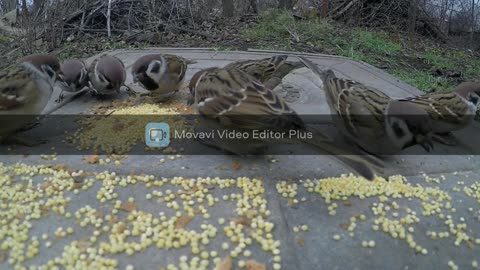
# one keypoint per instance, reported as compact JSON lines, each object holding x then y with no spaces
{"x":231,"y":99}
{"x":450,"y":111}
{"x":370,"y":119}
{"x":73,"y":77}
{"x":25,"y":90}
{"x":46,"y":63}
{"x":269,"y":71}
{"x":107,"y":75}
{"x":161,"y":74}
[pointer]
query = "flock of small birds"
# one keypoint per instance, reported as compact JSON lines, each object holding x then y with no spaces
{"x":370,"y":120}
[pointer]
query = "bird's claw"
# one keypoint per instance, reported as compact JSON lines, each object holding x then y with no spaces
{"x":60,"y":98}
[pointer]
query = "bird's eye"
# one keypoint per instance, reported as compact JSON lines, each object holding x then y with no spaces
{"x":398,"y":130}
{"x":155,"y":67}
{"x":473,"y":98}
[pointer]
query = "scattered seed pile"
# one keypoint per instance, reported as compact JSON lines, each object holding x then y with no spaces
{"x":389,"y":215}
{"x":118,"y":133}
{"x":201,"y":223}
{"x":116,"y":225}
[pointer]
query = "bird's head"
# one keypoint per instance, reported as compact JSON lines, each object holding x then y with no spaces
{"x":46,"y":64}
{"x":148,"y":71}
{"x":110,"y":72}
{"x":469,"y":91}
{"x":196,"y":79}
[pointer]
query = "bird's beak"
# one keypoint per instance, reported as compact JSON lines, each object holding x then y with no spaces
{"x":59,"y":76}
{"x":190,"y":101}
{"x":426,"y":142}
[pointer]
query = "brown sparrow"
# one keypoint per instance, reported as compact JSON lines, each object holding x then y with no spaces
{"x":234,"y":100}
{"x":46,"y":63}
{"x":25,"y":90}
{"x":161,"y":74}
{"x":269,"y":71}
{"x":107,"y":75}
{"x":450,"y":111}
{"x":371,"y":119}
{"x":73,"y":78}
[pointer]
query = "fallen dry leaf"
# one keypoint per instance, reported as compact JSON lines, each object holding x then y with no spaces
{"x":183,"y":221}
{"x":236,"y":165}
{"x":301,"y":241}
{"x":60,"y":167}
{"x":245,"y":221}
{"x":91,"y":159}
{"x":347,"y":203}
{"x":77,"y":185}
{"x":225,"y":264}
{"x":121,"y":227}
{"x":113,"y":219}
{"x":344,"y":226}
{"x":129,"y":206}
{"x":254,"y":265}
{"x":83,"y":245}
{"x":117,"y":157}
{"x":3,"y":256}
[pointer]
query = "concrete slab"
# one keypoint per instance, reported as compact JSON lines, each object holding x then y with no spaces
{"x":314,"y":248}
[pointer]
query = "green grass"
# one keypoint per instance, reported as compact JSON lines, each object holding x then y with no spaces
{"x":367,"y":46}
{"x":423,"y":80}
{"x":442,"y":60}
{"x":278,"y":29}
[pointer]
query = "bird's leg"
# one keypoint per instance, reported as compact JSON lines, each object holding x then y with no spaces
{"x":191,"y":61}
{"x":134,"y":93}
{"x":130,"y":91}
{"x":446,"y":138}
{"x":190,"y":101}
{"x":60,"y":97}
{"x":65,"y":101}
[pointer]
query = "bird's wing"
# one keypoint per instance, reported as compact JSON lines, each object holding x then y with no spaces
{"x":16,"y":88}
{"x":262,"y":69}
{"x":445,"y":107}
{"x":177,"y":67}
{"x":360,"y":108}
{"x":234,"y":94}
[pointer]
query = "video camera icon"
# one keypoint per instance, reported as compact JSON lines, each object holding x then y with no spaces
{"x":157,"y":134}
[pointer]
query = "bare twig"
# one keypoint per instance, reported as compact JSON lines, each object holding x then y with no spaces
{"x":109,"y":11}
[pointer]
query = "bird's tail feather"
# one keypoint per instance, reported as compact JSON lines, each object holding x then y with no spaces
{"x":323,"y":75}
{"x":190,"y":61}
{"x":364,"y":164}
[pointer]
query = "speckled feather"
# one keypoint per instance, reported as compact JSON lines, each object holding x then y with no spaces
{"x":16,"y":88}
{"x":233,"y":94}
{"x":445,"y":107}
{"x":75,"y":75}
{"x":366,"y":117}
{"x":171,"y":78}
{"x":112,"y":69}
{"x":266,"y":68}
